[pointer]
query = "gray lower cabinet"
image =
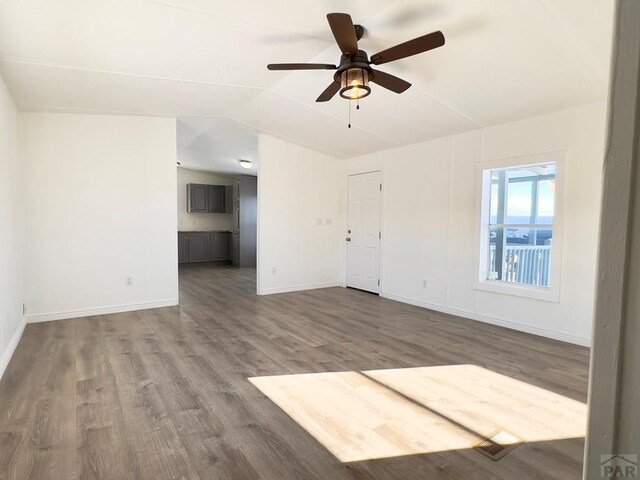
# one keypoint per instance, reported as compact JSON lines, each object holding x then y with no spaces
{"x":200,"y":247}
{"x":183,"y":248}
{"x":218,"y":246}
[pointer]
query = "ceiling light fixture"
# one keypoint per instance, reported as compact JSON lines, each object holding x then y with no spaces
{"x":354,"y":84}
{"x":245,"y":163}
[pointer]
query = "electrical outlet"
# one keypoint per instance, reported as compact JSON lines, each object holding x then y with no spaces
{"x":425,"y":284}
{"x":327,"y":221}
{"x":129,"y":282}
{"x":318,"y":221}
{"x":273,"y":271}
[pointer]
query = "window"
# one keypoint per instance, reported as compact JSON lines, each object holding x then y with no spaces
{"x":519,"y":229}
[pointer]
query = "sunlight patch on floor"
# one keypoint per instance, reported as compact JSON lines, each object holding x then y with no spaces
{"x":388,"y":413}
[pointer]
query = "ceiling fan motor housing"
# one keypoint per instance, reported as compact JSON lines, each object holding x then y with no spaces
{"x":347,"y":62}
{"x":359,"y":31}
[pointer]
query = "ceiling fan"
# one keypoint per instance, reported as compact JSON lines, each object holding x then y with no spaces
{"x":354,"y":73}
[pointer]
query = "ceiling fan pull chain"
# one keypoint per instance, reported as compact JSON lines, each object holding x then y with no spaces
{"x":349,"y":113}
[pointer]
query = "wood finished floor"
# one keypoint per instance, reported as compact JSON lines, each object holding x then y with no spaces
{"x":163,"y":394}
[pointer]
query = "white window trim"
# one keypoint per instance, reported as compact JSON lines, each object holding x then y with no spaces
{"x":480,"y":281}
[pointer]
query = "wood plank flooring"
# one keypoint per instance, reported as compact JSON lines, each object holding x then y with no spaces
{"x":164,"y":394}
{"x":396,"y":412}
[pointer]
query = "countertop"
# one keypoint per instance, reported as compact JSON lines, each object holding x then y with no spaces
{"x":204,"y":231}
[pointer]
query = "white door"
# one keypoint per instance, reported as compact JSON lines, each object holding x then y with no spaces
{"x":363,"y":231}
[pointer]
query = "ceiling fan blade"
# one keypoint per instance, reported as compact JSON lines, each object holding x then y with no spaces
{"x":407,"y":49}
{"x":344,"y":32}
{"x":329,"y":92}
{"x":388,"y":81}
{"x":301,"y":66}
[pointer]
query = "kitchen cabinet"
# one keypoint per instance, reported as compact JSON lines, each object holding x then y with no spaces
{"x":197,"y":198}
{"x":198,"y":247}
{"x":208,"y":198}
{"x":183,"y":248}
{"x":228,"y":199}
{"x":244,"y":240}
{"x":235,"y":249}
{"x":201,"y":247}
{"x":218,"y":246}
{"x":217,"y":198}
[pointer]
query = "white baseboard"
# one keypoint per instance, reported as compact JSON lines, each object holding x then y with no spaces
{"x":8,"y":353}
{"x":563,"y":337}
{"x":49,"y":317}
{"x":298,"y":288}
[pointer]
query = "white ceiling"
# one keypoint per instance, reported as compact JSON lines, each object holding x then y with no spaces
{"x":216,"y":145}
{"x":503,"y":60}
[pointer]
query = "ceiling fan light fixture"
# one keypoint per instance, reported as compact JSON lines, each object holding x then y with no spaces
{"x":245,"y":163}
{"x":354,"y":84}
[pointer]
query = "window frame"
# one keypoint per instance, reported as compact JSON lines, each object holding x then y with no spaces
{"x":483,"y":225}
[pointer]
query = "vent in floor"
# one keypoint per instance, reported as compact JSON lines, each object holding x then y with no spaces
{"x":498,"y":445}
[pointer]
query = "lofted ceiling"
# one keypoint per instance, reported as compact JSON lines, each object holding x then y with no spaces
{"x":216,"y":144}
{"x":503,"y":60}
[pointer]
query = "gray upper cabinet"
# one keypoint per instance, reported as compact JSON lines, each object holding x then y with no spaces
{"x":208,"y":198}
{"x":217,"y":198}
{"x":197,"y":198}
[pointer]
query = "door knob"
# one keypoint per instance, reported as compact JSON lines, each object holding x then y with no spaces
{"x":348,"y":239}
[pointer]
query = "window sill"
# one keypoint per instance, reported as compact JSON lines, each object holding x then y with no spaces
{"x":535,"y":293}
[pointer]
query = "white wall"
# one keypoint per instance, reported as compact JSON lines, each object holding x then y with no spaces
{"x":101,"y":202}
{"x":11,"y":230}
{"x":429,"y":220}
{"x":299,"y":193}
{"x":191,"y":222}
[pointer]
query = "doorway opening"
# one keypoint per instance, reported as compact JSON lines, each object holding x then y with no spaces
{"x":217,"y":175}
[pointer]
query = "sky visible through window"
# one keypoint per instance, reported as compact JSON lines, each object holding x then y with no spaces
{"x":519,"y":198}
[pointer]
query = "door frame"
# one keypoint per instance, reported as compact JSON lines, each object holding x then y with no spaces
{"x":345,"y":224}
{"x":613,"y":387}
